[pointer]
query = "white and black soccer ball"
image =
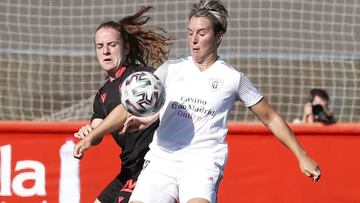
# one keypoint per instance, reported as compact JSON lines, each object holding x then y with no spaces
{"x":142,"y":94}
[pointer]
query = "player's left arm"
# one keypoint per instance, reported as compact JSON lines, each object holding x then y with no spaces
{"x":96,"y":118}
{"x":135,"y":123}
{"x":115,"y":120}
{"x":274,"y":122}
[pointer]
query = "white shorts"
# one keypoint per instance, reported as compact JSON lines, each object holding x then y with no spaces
{"x":163,"y":181}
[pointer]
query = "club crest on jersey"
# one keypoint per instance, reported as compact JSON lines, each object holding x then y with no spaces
{"x":215,"y":84}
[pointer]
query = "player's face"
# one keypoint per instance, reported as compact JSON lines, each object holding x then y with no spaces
{"x":110,"y":49}
{"x":203,"y":42}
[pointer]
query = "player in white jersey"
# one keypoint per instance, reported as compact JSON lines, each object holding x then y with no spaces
{"x":193,"y":127}
{"x":193,"y":124}
{"x":188,"y":154}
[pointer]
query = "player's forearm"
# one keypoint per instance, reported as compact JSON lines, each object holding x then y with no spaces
{"x":96,"y":122}
{"x":115,"y":120}
{"x":285,"y":135}
{"x":277,"y":125}
{"x":153,"y":118}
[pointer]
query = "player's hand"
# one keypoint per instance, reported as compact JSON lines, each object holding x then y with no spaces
{"x":83,"y":132}
{"x":309,"y":167}
{"x":134,"y":123}
{"x":81,"y":147}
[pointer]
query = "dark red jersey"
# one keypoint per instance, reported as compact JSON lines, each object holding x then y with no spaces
{"x":133,"y":145}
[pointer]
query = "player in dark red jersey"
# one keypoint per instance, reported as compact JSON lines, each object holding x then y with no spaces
{"x":122,"y":48}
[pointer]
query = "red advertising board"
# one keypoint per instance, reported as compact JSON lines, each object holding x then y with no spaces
{"x":36,"y":165}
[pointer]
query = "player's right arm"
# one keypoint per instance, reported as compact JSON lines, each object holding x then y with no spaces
{"x":115,"y":120}
{"x":97,"y":117}
{"x":86,"y":129}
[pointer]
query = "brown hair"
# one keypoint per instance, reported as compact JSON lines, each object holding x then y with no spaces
{"x":147,"y":44}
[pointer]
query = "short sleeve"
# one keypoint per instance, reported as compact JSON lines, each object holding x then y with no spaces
{"x":162,"y":71}
{"x":247,"y":92}
{"x":98,"y":111}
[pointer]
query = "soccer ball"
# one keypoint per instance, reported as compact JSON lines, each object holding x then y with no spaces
{"x":142,"y":94}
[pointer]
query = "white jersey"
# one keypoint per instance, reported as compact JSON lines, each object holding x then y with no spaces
{"x":193,"y":121}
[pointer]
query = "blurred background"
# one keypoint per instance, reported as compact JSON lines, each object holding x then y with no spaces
{"x":49,"y":72}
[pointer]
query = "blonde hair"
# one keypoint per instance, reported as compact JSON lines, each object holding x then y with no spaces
{"x":214,"y":10}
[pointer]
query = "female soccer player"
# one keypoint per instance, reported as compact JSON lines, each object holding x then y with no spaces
{"x":187,"y":157}
{"x":121,"y":49}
